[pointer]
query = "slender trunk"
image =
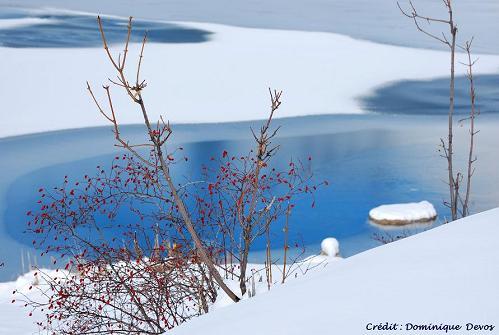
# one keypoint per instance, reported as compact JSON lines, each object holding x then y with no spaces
{"x":183,"y":211}
{"x":197,"y":241}
{"x":247,"y":226}
{"x":244,"y":264}
{"x":286,"y":227}
{"x":472,"y":133}
{"x":269,"y":260}
{"x":231,"y":266}
{"x":453,"y":183}
{"x":203,"y":304}
{"x":225,"y":258}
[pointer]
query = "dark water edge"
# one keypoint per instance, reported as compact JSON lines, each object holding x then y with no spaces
{"x":424,"y":97}
{"x":368,"y":159}
{"x":80,"y":31}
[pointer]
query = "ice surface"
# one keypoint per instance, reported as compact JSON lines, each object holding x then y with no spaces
{"x":378,"y":21}
{"x":225,"y":79}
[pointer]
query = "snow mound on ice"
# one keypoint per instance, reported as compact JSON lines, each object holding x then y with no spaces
{"x":403,"y":213}
{"x":330,"y":247}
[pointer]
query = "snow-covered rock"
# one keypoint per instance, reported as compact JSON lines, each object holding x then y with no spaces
{"x":399,"y":214}
{"x":330,"y":247}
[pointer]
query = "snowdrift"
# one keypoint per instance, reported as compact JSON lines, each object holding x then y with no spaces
{"x":447,"y":275}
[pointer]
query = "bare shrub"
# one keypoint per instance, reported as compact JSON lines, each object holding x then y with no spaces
{"x":141,"y":253}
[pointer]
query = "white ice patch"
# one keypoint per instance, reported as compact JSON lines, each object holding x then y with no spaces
{"x":23,"y":22}
{"x":409,"y":212}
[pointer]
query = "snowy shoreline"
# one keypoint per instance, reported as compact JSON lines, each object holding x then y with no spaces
{"x":416,"y":270}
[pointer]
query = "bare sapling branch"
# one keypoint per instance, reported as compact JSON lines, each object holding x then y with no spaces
{"x":472,"y":132}
{"x":246,"y":195}
{"x":447,"y":146}
{"x":263,"y":153}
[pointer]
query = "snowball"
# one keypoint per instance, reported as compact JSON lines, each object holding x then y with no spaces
{"x":330,"y":247}
{"x":403,"y":213}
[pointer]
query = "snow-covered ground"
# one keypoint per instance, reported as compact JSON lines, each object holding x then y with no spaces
{"x":33,"y":286}
{"x":447,"y":275}
{"x":403,"y":213}
{"x":225,"y":79}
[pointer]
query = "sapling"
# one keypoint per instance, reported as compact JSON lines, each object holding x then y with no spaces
{"x":458,"y":206}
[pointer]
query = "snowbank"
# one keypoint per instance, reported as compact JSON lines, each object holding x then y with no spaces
{"x":400,"y":214}
{"x":12,"y":315}
{"x":225,"y":79}
{"x":422,"y":279}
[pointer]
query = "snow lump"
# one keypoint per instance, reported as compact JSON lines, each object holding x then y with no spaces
{"x":400,"y":214}
{"x":330,"y":247}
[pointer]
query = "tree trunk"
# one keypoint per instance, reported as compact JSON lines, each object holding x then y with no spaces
{"x":183,"y":211}
{"x":453,"y":183}
{"x":243,"y":266}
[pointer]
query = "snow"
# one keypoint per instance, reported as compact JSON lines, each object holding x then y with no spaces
{"x":403,"y":213}
{"x":225,"y":79}
{"x":33,"y":284}
{"x":13,"y":317}
{"x":22,"y":22}
{"x":330,"y":247}
{"x":422,"y":279}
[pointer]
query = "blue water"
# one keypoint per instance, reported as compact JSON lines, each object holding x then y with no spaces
{"x":379,"y":179}
{"x":369,"y":160}
{"x":432,"y":96}
{"x":71,"y":31}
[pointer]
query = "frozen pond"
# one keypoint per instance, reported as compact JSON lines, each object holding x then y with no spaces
{"x":369,"y":160}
